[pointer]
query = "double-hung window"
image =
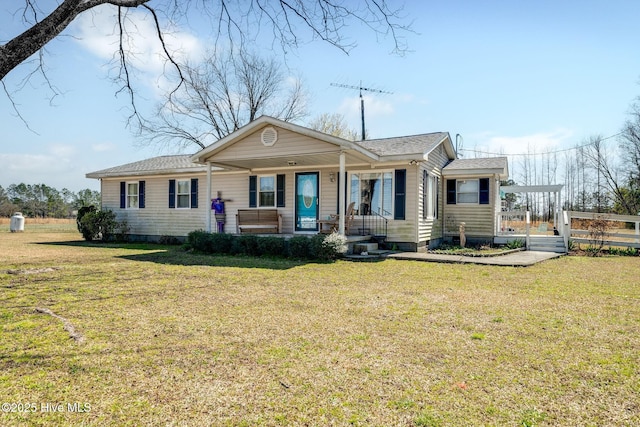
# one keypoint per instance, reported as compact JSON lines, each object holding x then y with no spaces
{"x":468,"y":191}
{"x":183,"y":194}
{"x":133,"y":195}
{"x":267,"y":191}
{"x":429,"y":196}
{"x":372,"y":193}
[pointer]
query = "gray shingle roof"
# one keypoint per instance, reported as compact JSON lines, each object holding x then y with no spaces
{"x":413,"y":144}
{"x":495,"y":164}
{"x":153,"y":166}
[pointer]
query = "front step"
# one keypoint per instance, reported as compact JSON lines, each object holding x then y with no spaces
{"x":364,"y":248}
{"x":547,"y":244}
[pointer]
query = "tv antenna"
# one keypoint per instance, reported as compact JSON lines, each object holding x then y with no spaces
{"x":360,"y":88}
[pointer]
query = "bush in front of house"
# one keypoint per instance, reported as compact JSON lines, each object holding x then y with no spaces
{"x":299,"y":247}
{"x":101,"y":225}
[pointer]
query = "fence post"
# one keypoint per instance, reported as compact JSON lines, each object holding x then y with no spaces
{"x":528,"y":226}
{"x":566,"y":229}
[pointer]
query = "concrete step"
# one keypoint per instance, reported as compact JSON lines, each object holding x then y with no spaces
{"x":360,"y":248}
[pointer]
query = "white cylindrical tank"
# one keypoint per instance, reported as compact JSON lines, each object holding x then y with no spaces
{"x":17,"y":222}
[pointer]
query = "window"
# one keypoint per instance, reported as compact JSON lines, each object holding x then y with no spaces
{"x":468,"y":191}
{"x":183,"y":194}
{"x":267,"y":191}
{"x":372,"y":192}
{"x":133,"y":196}
{"x":429,"y":196}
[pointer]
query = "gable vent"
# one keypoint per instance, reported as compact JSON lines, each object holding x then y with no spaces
{"x":269,"y":136}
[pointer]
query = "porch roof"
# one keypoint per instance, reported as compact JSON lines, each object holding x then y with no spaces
{"x":398,"y":149}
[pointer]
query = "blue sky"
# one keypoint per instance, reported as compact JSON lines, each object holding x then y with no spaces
{"x":510,"y":77}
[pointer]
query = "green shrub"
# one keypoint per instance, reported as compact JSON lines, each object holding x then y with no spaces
{"x":515,"y":244}
{"x":101,"y":225}
{"x":271,"y":246}
{"x":299,"y":247}
{"x":198,"y":241}
{"x":245,"y":244}
{"x":86,"y":233}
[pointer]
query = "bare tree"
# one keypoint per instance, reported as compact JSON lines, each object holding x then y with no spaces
{"x":222,"y":94}
{"x":234,"y":23}
{"x":334,"y":124}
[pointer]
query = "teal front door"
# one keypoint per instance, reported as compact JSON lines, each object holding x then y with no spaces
{"x":307,"y":189}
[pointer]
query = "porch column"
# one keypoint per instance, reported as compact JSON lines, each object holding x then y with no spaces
{"x":341,"y":194}
{"x":208,"y":205}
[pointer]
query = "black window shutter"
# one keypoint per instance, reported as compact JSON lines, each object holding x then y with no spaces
{"x":484,"y":191}
{"x":401,"y":195}
{"x":172,"y":194}
{"x":141,"y":190}
{"x":253,"y":191}
{"x":194,"y":193}
{"x":451,"y":191}
{"x":280,"y":191}
{"x":123,"y":195}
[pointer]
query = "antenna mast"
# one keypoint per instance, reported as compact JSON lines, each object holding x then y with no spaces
{"x":360,"y":88}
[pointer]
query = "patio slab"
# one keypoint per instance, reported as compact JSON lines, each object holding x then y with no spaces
{"x":515,"y":259}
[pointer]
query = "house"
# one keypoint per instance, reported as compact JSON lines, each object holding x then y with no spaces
{"x":411,"y":191}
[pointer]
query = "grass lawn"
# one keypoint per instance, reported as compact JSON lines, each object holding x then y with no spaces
{"x":169,"y":338}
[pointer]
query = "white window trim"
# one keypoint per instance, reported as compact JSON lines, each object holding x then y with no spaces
{"x":477,"y":192}
{"x":188,"y":194}
{"x":127,"y":195}
{"x":432,"y":196}
{"x":370,"y":171}
{"x":275,"y":191}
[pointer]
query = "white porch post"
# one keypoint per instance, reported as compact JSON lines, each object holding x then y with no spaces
{"x":208,"y":205}
{"x":341,"y":194}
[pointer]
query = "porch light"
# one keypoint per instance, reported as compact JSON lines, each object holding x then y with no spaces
{"x":332,"y":178}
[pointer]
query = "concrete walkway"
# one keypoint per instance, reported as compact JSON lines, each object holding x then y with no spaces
{"x":515,"y":259}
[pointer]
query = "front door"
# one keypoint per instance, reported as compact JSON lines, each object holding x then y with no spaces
{"x":307,"y":211}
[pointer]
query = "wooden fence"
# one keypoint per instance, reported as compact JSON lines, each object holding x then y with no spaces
{"x":615,"y":234}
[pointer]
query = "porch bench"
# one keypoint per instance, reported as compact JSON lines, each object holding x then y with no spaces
{"x":258,"y":221}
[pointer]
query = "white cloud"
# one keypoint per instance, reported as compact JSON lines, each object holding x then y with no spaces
{"x":97,"y":31}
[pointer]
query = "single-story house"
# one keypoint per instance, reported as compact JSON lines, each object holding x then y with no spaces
{"x":412,"y":191}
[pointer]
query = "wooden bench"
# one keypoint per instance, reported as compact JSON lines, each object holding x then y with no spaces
{"x":258,"y":221}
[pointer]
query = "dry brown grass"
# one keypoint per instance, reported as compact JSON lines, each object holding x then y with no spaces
{"x":181,"y":339}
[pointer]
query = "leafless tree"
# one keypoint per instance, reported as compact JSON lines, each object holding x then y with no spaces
{"x":221,"y":94}
{"x":235,"y":23}
{"x":630,"y":146}
{"x":334,"y":124}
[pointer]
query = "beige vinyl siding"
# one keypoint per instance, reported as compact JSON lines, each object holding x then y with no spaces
{"x":479,"y":219}
{"x":288,"y":143}
{"x":156,"y":219}
{"x":431,"y":228}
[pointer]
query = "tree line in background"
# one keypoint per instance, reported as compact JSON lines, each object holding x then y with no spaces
{"x":602,"y":174}
{"x":42,"y":201}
